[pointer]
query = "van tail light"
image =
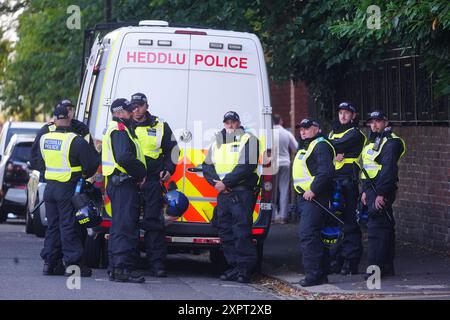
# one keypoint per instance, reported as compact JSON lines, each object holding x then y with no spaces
{"x":16,"y":173}
{"x":258,"y":231}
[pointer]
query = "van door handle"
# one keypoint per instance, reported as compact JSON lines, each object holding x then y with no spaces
{"x":196,"y":169}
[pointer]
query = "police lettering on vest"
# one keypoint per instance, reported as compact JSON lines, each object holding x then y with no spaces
{"x":150,"y":138}
{"x":301,"y":175}
{"x":369,"y":155}
{"x":109,"y":163}
{"x":55,"y":150}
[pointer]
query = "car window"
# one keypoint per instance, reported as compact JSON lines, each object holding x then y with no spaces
{"x":22,"y":152}
{"x":13,"y":131}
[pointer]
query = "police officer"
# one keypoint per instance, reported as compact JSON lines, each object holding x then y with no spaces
{"x":312,"y":175}
{"x":231,"y":167}
{"x":380,"y":176}
{"x":348,"y":142}
{"x":123,"y":165}
{"x":161,"y":153}
{"x":75,"y":126}
{"x":64,"y":157}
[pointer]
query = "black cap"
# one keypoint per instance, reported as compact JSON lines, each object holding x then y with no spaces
{"x":122,"y":104}
{"x":65,"y":103}
{"x":60,"y":112}
{"x":138,"y":98}
{"x":231,"y":115}
{"x":347,"y":106}
{"x":377,"y":115}
{"x":307,"y":122}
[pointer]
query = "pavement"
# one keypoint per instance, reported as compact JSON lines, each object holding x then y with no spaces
{"x":420,"y":272}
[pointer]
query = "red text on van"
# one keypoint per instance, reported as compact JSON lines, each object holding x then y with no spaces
{"x":156,"y":57}
{"x":220,"y":61}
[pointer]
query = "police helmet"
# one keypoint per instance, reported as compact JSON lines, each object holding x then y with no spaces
{"x":177,"y":203}
{"x":88,"y":216}
{"x":330,"y":235}
{"x":87,"y":204}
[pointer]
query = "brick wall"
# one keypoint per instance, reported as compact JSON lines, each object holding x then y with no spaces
{"x":422,"y":208}
{"x":282,"y":98}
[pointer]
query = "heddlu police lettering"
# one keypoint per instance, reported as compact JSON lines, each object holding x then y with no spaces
{"x":52,"y":144}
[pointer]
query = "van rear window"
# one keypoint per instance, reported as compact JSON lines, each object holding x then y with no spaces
{"x":22,"y":152}
{"x":24,"y":131}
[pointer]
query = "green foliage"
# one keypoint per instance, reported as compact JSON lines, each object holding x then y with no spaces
{"x":46,"y":64}
{"x":314,"y":41}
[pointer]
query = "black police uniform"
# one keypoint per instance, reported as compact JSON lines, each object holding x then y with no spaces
{"x":76,"y":126}
{"x":63,"y":237}
{"x":348,"y":253}
{"x":312,"y":217}
{"x":381,"y":224}
{"x":234,"y":211}
{"x":153,"y":222}
{"x":124,"y":232}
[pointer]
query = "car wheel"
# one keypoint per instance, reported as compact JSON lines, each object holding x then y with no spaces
{"x":3,"y":213}
{"x":95,"y":251}
{"x":29,"y":221}
{"x":218,"y":260}
{"x":259,"y":256}
{"x":39,"y":228}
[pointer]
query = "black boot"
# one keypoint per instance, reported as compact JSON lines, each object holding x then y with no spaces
{"x":54,"y":269}
{"x":123,"y":275}
{"x":350,"y":267}
{"x":309,"y":282}
{"x":230,"y":275}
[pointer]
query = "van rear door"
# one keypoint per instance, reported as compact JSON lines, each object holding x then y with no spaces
{"x":224,"y":75}
{"x":155,"y":64}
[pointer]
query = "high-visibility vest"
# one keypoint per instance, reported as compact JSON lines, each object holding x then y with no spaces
{"x":109,"y":163}
{"x":226,"y":156}
{"x":369,"y":155}
{"x":55,"y":149}
{"x":52,"y":127}
{"x":301,"y":175}
{"x":150,"y":139}
{"x":339,"y":165}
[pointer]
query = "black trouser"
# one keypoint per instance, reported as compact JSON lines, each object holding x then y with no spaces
{"x":351,"y":246}
{"x":314,"y":253}
{"x":153,"y":224}
{"x":235,"y":220}
{"x":124,"y":232}
{"x":381,"y":232}
{"x":64,"y":237}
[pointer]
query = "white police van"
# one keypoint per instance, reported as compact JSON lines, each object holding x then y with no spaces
{"x":192,"y":77}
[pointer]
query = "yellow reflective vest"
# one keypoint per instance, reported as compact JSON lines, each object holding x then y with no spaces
{"x":301,"y":175}
{"x":226,"y":156}
{"x":55,"y":150}
{"x":339,"y":165}
{"x":109,"y":163}
{"x":150,"y":138}
{"x":369,"y":155}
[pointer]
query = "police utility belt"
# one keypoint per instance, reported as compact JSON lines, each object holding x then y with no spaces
{"x":119,"y":178}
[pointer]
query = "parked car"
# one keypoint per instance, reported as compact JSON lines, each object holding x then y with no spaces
{"x":14,"y":175}
{"x":11,"y":128}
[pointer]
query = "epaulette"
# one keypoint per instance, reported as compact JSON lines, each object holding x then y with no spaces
{"x":121,"y":126}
